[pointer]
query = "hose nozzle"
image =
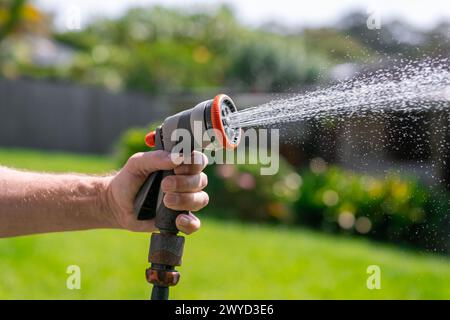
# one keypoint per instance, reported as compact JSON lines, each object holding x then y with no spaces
{"x":166,"y":248}
{"x":213,"y":114}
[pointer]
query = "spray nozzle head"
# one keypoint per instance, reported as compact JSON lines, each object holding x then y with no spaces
{"x":214,"y":114}
{"x":217,"y":117}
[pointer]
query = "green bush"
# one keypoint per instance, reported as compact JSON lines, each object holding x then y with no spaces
{"x":392,"y":208}
{"x":240,"y":191}
{"x":267,"y":63}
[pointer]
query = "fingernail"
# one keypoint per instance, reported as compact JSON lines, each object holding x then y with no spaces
{"x":184,"y":221}
{"x":171,"y":198}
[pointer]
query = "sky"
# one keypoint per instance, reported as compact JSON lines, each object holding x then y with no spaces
{"x":306,"y":13}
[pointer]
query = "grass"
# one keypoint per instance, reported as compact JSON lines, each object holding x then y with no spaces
{"x":54,"y":161}
{"x":223,"y":260}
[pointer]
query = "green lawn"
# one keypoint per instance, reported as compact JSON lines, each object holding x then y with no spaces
{"x":223,"y":260}
{"x":54,"y":161}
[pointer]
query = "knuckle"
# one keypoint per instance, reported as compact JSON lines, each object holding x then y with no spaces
{"x":159,"y":156}
{"x":195,"y":183}
{"x":171,"y":199}
{"x":184,"y":200}
{"x":135,"y":157}
{"x":191,"y":201}
{"x":134,"y":163}
{"x":168,"y":184}
{"x":184,"y":183}
{"x":158,"y":153}
{"x":176,"y":183}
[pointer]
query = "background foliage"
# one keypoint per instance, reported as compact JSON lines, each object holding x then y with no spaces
{"x":164,"y":50}
{"x":393,"y":208}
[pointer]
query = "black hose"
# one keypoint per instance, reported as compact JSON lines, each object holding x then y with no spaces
{"x":160,"y":293}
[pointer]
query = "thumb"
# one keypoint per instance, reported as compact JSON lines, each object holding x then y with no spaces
{"x":144,"y":163}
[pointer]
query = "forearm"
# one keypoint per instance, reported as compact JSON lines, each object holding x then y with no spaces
{"x":36,"y":203}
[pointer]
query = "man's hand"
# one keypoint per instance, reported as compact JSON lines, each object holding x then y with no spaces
{"x":183,"y":191}
{"x":33,"y":203}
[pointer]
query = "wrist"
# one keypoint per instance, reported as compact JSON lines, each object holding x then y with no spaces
{"x":102,"y":205}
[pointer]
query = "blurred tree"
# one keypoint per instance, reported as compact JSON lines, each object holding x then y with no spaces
{"x":161,"y":50}
{"x":18,"y":16}
{"x":166,"y":50}
{"x":10,"y":16}
{"x":397,"y":38}
{"x":336,"y":45}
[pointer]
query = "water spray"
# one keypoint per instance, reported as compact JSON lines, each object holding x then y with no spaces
{"x":415,"y":86}
{"x":166,"y":246}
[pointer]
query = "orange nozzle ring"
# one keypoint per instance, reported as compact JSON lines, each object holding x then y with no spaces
{"x":150,"y":139}
{"x":216,"y":121}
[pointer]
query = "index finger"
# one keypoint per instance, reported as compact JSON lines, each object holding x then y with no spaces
{"x":144,"y":163}
{"x":197,"y":163}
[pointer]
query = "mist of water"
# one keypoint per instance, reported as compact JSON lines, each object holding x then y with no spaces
{"x":414,"y":86}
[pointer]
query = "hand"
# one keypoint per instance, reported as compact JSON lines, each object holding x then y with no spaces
{"x":183,"y":191}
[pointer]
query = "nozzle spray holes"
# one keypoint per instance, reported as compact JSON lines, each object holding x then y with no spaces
{"x":226,"y":109}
